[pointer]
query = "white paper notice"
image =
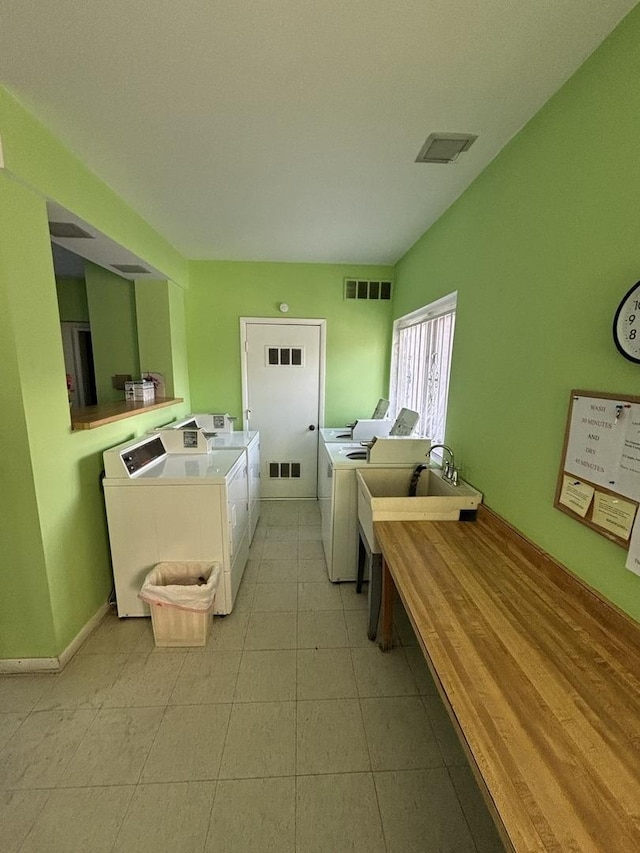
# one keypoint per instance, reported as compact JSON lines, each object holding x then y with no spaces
{"x":627,"y":479}
{"x":604,"y":444}
{"x":613,"y":514}
{"x":576,"y":495}
{"x":633,"y":557}
{"x":596,"y":439}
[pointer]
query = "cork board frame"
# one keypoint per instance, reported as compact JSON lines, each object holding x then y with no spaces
{"x":588,"y":520}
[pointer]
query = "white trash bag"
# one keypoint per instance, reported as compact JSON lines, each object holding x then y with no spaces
{"x":187,"y":586}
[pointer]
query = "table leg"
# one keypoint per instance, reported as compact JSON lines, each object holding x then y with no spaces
{"x":388,"y":595}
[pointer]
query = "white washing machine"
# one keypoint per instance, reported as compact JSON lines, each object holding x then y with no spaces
{"x":338,"y":496}
{"x":175,"y":506}
{"x":247,"y":440}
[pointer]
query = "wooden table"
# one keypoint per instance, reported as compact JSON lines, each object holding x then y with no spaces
{"x":541,"y":678}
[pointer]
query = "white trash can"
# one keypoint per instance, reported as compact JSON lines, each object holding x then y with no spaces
{"x":181,"y":597}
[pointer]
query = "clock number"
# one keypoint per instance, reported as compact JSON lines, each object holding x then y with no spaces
{"x":636,"y":304}
{"x":632,"y":318}
{"x":632,"y":335}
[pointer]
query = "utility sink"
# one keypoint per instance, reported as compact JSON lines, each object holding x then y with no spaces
{"x":383,"y":496}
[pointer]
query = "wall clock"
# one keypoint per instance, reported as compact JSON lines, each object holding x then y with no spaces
{"x":626,"y":325}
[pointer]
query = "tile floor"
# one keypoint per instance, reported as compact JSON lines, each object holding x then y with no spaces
{"x":289,"y":732}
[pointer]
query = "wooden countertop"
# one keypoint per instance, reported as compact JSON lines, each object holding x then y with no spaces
{"x":540,"y":675}
{"x":108,"y":413}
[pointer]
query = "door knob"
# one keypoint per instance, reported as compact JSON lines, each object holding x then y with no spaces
{"x":311,"y":427}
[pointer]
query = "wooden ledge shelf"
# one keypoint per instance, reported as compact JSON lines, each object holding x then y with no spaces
{"x":540,"y":675}
{"x":108,"y":413}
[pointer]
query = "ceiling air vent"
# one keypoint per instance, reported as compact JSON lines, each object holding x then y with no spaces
{"x":445,"y":147}
{"x":130,"y":268}
{"x":355,"y":288}
{"x":68,"y":229}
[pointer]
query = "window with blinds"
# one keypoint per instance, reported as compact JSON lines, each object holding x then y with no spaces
{"x":421,"y":364}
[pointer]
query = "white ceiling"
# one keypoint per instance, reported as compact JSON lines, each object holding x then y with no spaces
{"x":287,"y":129}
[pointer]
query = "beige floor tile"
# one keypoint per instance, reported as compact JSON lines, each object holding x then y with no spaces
{"x":382,"y":674}
{"x":325,"y":674}
{"x":321,"y":629}
{"x":281,"y":513}
{"x":207,"y":678}
{"x":312,"y":571}
{"x":19,"y":693}
{"x":271,"y":631}
{"x":256,"y":548}
{"x":267,"y":676}
{"x":309,"y":533}
{"x":483,"y":829}
{"x":114,"y":636}
{"x":318,"y":596}
{"x":77,"y":820}
{"x":145,"y":681}
{"x":228,"y":633}
{"x":310,"y":550}
{"x":172,"y":818}
{"x":420,"y":812}
{"x":84,"y":683}
{"x":420,"y":671}
{"x":188,"y":745}
{"x":260,"y":741}
{"x":18,"y":813}
{"x":38,"y":753}
{"x":357,"y":627}
{"x":278,"y":571}
{"x":448,"y":741}
{"x":275,"y":597}
{"x":280,"y":550}
{"x":330,"y":737}
{"x":9,"y":723}
{"x":244,"y":598}
{"x":282,"y":533}
{"x":114,"y":749}
{"x":309,"y":514}
{"x":352,"y":600}
{"x":253,"y":816}
{"x":337,"y":813}
{"x":250,"y":574}
{"x":399,"y":734}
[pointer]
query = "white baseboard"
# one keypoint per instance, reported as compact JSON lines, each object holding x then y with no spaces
{"x":17,"y":665}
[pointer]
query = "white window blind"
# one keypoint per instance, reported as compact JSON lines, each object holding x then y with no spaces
{"x":421,"y":364}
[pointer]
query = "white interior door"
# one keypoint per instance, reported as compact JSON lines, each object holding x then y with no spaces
{"x":282,"y":381}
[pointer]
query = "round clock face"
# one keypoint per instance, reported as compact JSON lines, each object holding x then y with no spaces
{"x":626,"y":325}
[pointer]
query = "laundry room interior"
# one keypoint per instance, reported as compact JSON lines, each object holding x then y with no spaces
{"x":347,"y":703}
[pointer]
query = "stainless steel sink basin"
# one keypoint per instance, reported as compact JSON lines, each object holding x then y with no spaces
{"x":382,"y":496}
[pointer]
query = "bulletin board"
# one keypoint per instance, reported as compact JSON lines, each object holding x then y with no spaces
{"x":599,"y":478}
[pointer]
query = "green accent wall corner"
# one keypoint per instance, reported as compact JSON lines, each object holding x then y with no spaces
{"x":540,"y":248}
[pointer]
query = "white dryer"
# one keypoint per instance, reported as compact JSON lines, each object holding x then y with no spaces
{"x":247,"y":440}
{"x":175,"y":506}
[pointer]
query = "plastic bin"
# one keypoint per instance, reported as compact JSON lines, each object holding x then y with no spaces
{"x":181,"y":597}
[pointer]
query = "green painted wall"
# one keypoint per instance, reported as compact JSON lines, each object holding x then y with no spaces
{"x":72,"y":300}
{"x":55,"y":556}
{"x":540,"y":249}
{"x":154,"y":329}
{"x":358,"y":333}
{"x":114,"y":332}
{"x":26,"y":623}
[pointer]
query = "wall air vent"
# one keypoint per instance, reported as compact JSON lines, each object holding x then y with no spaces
{"x":68,"y":229}
{"x":130,"y":268}
{"x":285,"y":470}
{"x":357,"y":289}
{"x":445,"y":147}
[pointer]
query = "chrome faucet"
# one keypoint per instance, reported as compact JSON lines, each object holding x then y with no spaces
{"x":449,"y":470}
